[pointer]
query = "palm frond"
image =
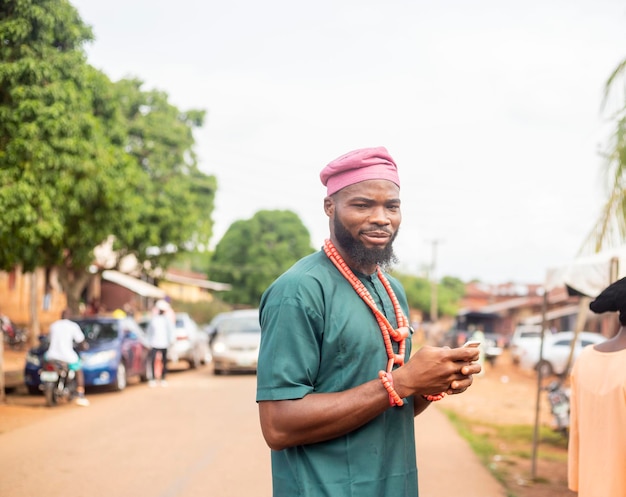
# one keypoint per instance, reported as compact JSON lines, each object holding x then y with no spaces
{"x":612,"y":86}
{"x":610,"y":228}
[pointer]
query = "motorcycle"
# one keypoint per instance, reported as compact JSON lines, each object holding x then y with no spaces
{"x":559,"y":406}
{"x":58,"y":382}
{"x":13,"y":336}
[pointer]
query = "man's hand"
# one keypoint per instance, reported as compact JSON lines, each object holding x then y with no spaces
{"x":432,"y":370}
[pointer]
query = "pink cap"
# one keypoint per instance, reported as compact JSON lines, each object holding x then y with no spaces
{"x":359,"y":165}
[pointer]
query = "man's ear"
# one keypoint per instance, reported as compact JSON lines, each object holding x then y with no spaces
{"x":329,"y":206}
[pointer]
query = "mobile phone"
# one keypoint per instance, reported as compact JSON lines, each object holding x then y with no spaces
{"x":472,"y":343}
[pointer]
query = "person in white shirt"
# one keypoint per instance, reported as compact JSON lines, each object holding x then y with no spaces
{"x":160,"y":336}
{"x":63,"y":334}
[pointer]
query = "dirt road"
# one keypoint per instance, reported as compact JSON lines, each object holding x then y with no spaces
{"x":201,"y":435}
{"x":198,"y":437}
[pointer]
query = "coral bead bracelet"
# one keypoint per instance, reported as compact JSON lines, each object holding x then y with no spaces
{"x":387,"y":381}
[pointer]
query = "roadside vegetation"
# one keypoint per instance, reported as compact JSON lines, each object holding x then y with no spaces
{"x":506,"y":451}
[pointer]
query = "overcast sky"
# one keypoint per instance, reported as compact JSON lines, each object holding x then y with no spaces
{"x":491,"y":109}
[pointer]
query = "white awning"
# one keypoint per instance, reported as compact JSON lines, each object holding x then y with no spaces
{"x":200,"y":283}
{"x":135,"y":285}
{"x":590,"y":274}
{"x":570,"y":310}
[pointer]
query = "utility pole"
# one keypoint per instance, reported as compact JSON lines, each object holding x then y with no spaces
{"x":433,"y":282}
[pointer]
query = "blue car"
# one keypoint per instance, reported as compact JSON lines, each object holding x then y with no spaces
{"x":118,"y":350}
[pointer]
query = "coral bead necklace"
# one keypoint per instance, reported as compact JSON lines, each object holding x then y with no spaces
{"x":388,"y":331}
{"x":399,"y":335}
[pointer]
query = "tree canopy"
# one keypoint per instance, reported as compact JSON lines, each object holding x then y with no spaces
{"x":174,"y":200}
{"x":48,"y":142}
{"x":418,"y":292}
{"x":254,"y":252}
{"x":83,"y":159}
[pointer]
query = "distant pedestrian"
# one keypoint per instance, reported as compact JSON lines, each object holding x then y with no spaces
{"x":160,"y":337}
{"x":165,"y":305}
{"x":597,"y":439}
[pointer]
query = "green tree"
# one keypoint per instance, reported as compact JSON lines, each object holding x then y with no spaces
{"x":175,"y":201}
{"x":254,"y":252}
{"x":42,"y":110}
{"x":58,"y":166}
{"x":418,"y":292}
{"x":82,"y":159}
{"x":451,"y":290}
{"x":198,"y":261}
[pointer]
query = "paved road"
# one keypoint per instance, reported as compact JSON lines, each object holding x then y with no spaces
{"x":198,"y":437}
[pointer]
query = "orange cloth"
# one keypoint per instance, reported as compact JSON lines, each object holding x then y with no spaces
{"x":597,"y":443}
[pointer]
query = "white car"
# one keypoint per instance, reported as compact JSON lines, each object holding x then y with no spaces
{"x":556,"y":351}
{"x":524,"y":337}
{"x":191,"y":344}
{"x":236,"y":340}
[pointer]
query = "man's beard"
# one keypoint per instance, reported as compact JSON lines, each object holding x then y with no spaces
{"x":359,"y":254}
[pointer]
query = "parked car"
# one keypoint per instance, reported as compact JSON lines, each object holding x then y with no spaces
{"x":556,"y":350}
{"x":236,"y":340}
{"x":211,"y":328}
{"x":524,"y":337}
{"x":192,"y":343}
{"x":493,"y":349}
{"x":118,"y":350}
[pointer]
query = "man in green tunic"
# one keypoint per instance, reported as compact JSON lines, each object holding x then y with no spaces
{"x":337,"y":386}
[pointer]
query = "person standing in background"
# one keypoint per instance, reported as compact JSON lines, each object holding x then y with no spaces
{"x":597,"y":436}
{"x":165,"y":304}
{"x":160,"y":336}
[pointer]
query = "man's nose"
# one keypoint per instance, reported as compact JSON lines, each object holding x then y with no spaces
{"x":379,"y":216}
